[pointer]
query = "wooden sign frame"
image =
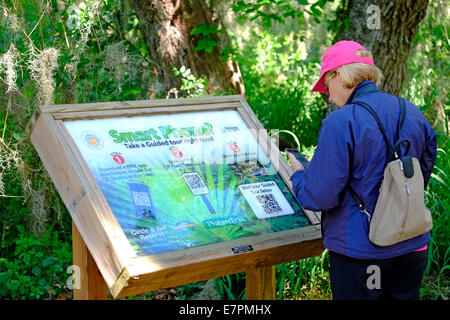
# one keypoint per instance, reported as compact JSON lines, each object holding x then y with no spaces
{"x":123,"y":271}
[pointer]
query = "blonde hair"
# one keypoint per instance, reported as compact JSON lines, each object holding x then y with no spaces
{"x":354,"y":73}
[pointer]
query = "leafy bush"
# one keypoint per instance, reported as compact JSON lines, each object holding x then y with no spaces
{"x":37,"y":269}
{"x":191,"y":86}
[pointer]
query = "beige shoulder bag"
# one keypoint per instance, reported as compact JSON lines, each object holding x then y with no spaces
{"x":400,"y":213}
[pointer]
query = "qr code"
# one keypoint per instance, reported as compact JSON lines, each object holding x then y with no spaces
{"x":269,"y":203}
{"x":195,"y":183}
{"x":141,"y":198}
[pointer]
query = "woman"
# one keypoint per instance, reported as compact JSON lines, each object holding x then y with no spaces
{"x":351,"y":151}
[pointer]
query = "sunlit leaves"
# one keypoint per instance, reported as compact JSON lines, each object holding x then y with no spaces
{"x":270,"y":11}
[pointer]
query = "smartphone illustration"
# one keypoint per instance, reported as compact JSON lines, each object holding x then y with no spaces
{"x":142,"y":200}
{"x":299,"y":156}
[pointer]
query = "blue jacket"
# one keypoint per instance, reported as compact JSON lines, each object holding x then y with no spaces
{"x":351,"y":150}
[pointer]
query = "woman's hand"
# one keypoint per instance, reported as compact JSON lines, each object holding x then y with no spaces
{"x":295,"y":164}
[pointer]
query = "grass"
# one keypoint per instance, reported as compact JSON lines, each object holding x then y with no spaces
{"x":436,"y":280}
{"x":304,"y":279}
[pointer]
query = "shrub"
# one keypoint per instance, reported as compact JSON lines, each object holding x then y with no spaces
{"x":37,"y":269}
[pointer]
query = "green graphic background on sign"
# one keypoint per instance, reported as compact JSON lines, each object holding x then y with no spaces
{"x":184,"y":191}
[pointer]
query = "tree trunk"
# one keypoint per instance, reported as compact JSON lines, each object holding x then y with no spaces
{"x":166,"y":26}
{"x":387,"y":29}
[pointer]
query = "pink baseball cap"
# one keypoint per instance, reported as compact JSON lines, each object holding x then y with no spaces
{"x":339,"y":54}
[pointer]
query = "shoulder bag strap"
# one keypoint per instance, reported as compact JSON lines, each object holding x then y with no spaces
{"x":377,"y":119}
{"x":391,"y":149}
{"x":395,"y":150}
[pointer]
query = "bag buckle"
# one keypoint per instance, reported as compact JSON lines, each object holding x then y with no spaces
{"x":363,"y":209}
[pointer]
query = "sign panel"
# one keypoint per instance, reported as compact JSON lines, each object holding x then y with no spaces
{"x":185,"y":179}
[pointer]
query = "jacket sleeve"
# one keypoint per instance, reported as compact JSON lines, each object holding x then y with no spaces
{"x":317,"y":188}
{"x":429,"y":154}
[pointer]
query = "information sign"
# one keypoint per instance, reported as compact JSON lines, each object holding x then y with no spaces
{"x":184,"y":180}
{"x":167,"y":192}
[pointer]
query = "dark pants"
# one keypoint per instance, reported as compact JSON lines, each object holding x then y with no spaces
{"x":394,"y":278}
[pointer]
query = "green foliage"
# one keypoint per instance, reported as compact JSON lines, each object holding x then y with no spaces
{"x":428,"y":66}
{"x":228,"y":53}
{"x":37,"y":269}
{"x":100,"y":56}
{"x":231,"y":287}
{"x":437,"y":200}
{"x":191,"y":86}
{"x":206,"y":38}
{"x":304,"y":279}
{"x":206,"y":42}
{"x":427,"y":87}
{"x":278,"y":81}
{"x":269,"y":11}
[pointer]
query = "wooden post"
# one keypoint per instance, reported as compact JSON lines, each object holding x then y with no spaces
{"x":92,"y":286}
{"x":260,"y":283}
